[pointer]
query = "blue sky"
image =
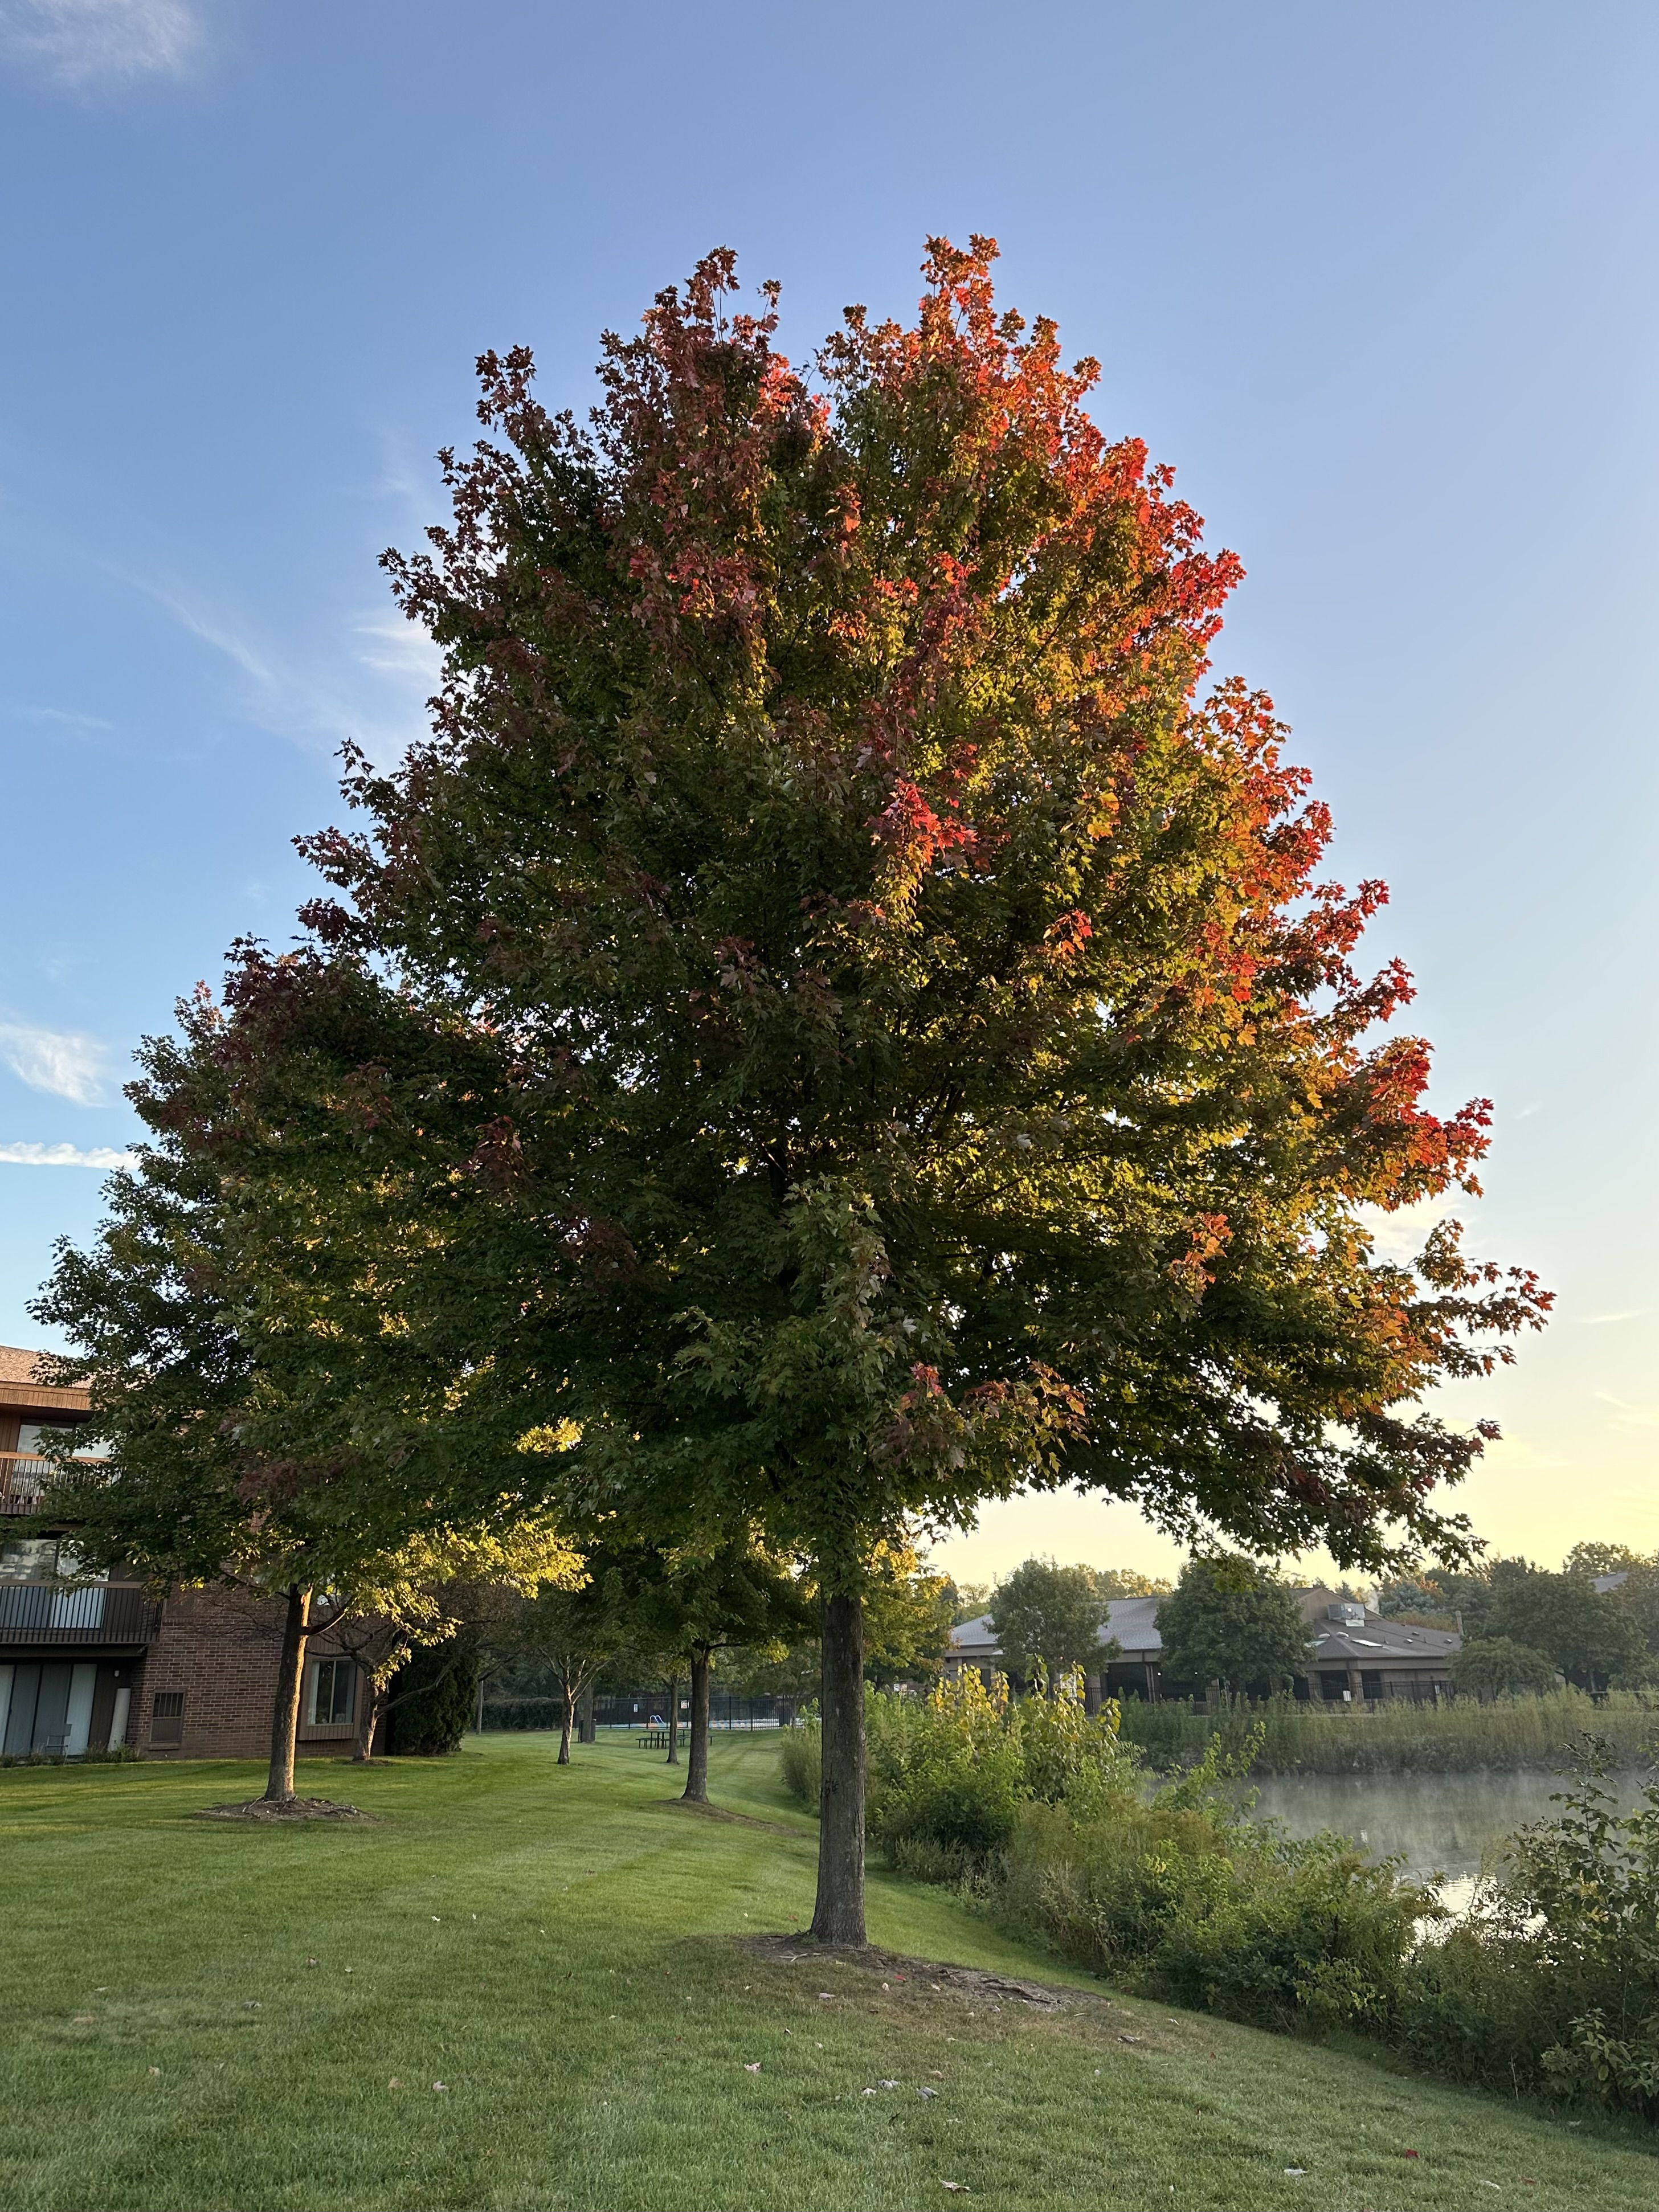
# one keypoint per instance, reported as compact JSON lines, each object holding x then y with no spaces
{"x":1379,"y":282}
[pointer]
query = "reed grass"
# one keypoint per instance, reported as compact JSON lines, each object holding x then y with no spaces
{"x":1462,"y":1737}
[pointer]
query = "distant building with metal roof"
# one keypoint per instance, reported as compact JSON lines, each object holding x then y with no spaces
{"x":1356,"y":1655}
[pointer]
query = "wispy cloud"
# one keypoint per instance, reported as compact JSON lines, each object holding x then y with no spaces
{"x":84,"y":42}
{"x":213,"y":628}
{"x":317,"y":702}
{"x":68,"y":1065}
{"x":399,"y":649}
{"x":63,"y":716}
{"x":64,"y":1156}
{"x":1601,"y":1321}
{"x":1628,"y":1416}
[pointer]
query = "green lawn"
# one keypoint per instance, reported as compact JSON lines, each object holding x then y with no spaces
{"x":204,"y":2015}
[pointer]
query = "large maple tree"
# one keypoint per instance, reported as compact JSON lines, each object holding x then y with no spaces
{"x":931,"y":1062}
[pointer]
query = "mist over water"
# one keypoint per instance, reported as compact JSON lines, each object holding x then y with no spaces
{"x":1442,"y":1825}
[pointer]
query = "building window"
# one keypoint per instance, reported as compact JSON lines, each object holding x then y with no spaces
{"x":167,"y":1718}
{"x":1332,"y":1685}
{"x":333,"y":1699}
{"x":1371,"y":1687}
{"x":30,"y":1559}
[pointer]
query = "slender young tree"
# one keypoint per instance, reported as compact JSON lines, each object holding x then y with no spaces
{"x":931,"y":1061}
{"x":580,"y":1633}
{"x":695,"y":1604}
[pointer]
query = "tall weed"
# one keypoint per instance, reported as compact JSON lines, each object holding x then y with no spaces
{"x":949,"y":1773}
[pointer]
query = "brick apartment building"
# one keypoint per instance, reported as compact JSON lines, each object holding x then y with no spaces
{"x":87,"y":1665}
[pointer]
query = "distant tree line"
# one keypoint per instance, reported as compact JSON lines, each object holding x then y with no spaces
{"x":1523,"y":1626}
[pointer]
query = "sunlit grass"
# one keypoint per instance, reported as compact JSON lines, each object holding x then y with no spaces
{"x":562,"y":1949}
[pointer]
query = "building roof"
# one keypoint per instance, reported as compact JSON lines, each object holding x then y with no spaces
{"x":1380,"y":1641}
{"x":975,"y":1636}
{"x":1370,"y":1641}
{"x":1132,"y":1621}
{"x":22,"y":1384}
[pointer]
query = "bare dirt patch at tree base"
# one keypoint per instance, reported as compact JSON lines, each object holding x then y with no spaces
{"x":291,"y":1808}
{"x":991,"y":1989}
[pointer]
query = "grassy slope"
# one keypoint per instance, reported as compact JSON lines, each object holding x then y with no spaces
{"x":558,"y":1948}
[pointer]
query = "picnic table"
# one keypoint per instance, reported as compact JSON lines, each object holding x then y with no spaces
{"x":653,"y":1739}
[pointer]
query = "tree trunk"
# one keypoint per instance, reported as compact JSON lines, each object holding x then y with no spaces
{"x":585,"y":1730}
{"x":838,"y":1916}
{"x":285,"y":1714}
{"x":696,"y":1760}
{"x":371,"y":1699}
{"x":673,"y":1758}
{"x":568,"y":1721}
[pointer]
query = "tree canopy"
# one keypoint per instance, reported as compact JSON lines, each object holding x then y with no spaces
{"x":1497,"y":1666}
{"x":245,"y":1436}
{"x":1046,"y":1613}
{"x":936,"y":1065}
{"x":1230,"y":1621}
{"x":1594,"y":1637}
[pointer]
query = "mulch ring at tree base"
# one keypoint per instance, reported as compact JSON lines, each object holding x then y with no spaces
{"x":292,"y":1808}
{"x":970,"y":1981}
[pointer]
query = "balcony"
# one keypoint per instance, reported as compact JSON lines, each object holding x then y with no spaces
{"x":45,"y":1613}
{"x":24,"y":1476}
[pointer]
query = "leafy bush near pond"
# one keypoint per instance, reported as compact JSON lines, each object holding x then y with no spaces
{"x":1552,"y":1979}
{"x":1189,"y":1897}
{"x":1551,"y":1983}
{"x":1464,"y":1736}
{"x":947,"y":1774}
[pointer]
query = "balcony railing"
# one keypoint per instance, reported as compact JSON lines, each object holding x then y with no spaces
{"x":97,"y":1613}
{"x":24,"y":1476}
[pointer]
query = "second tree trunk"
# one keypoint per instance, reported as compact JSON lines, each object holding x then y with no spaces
{"x":696,"y":1759}
{"x":838,"y":1915}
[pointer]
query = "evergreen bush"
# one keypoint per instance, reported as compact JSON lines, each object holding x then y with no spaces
{"x":434,"y":1700}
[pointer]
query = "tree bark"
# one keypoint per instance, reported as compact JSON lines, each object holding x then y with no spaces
{"x":371,"y":1699}
{"x":285,"y":1713}
{"x":673,"y":1758}
{"x":696,"y":1759}
{"x":585,"y":1730}
{"x":838,"y":1916}
{"x":568,"y":1721}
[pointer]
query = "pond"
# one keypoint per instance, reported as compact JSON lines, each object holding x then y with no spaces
{"x":1440,"y":1824}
